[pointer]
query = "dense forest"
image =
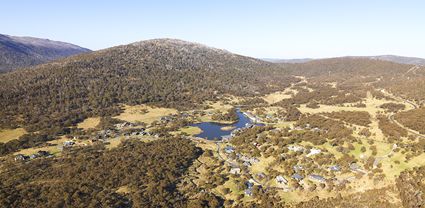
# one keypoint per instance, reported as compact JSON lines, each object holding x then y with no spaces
{"x":413,"y":119}
{"x":370,"y":198}
{"x":411,"y":187}
{"x":347,"y":68}
{"x":361,"y":118}
{"x":93,"y":176}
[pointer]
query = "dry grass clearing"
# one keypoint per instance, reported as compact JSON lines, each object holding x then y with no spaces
{"x":218,"y":107}
{"x":190,"y":130}
{"x":144,"y":113}
{"x":115,"y":142}
{"x":227,"y":128}
{"x":11,"y":134}
{"x":89,"y":123}
{"x":123,"y":190}
{"x":262,"y":165}
{"x":277,"y":96}
{"x":54,"y":148}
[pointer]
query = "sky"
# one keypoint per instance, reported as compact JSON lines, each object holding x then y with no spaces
{"x":257,"y":28}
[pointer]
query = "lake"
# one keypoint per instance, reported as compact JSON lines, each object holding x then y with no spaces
{"x":212,"y":130}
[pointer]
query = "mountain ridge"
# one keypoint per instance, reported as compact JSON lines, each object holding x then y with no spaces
{"x":18,"y":52}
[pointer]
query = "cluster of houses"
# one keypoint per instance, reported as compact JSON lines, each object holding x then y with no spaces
{"x":174,"y":117}
{"x":120,"y":126}
{"x":126,"y":129}
{"x":104,"y":134}
{"x":247,"y":161}
{"x":298,"y":177}
{"x":74,"y":142}
{"x":306,"y":127}
{"x":280,"y":179}
{"x":137,"y":132}
{"x":22,"y":157}
{"x":299,"y":174}
{"x":312,"y":151}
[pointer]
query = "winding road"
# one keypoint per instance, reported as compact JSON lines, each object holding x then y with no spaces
{"x":391,"y":115}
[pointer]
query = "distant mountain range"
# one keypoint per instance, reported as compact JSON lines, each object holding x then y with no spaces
{"x":291,"y":61}
{"x":392,"y":58}
{"x":400,"y":59}
{"x":17,"y":52}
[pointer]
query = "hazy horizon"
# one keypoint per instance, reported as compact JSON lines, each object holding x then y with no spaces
{"x":272,"y":29}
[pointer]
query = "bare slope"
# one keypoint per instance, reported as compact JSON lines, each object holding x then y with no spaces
{"x":16,"y":52}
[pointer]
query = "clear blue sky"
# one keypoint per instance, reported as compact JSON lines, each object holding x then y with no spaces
{"x":261,"y":28}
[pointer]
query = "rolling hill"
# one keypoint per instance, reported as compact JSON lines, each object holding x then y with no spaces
{"x":164,"y":72}
{"x":17,"y":52}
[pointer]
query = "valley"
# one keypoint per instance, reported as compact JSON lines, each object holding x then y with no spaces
{"x":231,"y":131}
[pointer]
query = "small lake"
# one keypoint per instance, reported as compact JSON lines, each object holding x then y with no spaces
{"x":212,"y":130}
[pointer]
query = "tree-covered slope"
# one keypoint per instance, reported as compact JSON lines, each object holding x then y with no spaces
{"x":163,"y":72}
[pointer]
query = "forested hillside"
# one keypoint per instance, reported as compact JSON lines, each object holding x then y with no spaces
{"x":347,"y":67}
{"x":92,"y":177}
{"x":162,"y":72}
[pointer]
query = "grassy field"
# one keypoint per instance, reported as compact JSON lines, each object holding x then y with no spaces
{"x":191,"y":130}
{"x":123,"y":190}
{"x":277,"y":96}
{"x":89,"y":123}
{"x":261,"y":166}
{"x":54,"y":148}
{"x":11,"y":134}
{"x":227,"y":128}
{"x":144,"y":113}
{"x":218,"y":106}
{"x":114,"y":142}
